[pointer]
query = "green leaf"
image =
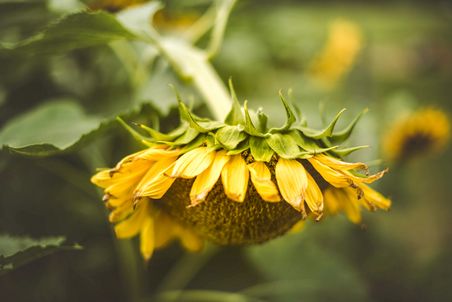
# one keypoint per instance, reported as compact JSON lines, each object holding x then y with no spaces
{"x":56,"y":127}
{"x":79,"y":30}
{"x":234,"y":116}
{"x":327,"y":132}
{"x":189,"y":135}
{"x":187,"y":116}
{"x":347,"y":151}
{"x":137,"y":19}
{"x":51,"y":128}
{"x":240,"y":148}
{"x":343,"y":135}
{"x":203,"y":296}
{"x":230,"y":136}
{"x":17,"y":251}
{"x":135,"y":134}
{"x":284,"y":145}
{"x":260,"y":149}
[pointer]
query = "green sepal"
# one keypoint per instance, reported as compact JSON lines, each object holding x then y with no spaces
{"x":284,"y":145}
{"x":230,"y":136}
{"x":186,"y":115}
{"x":189,"y":135}
{"x":135,"y":134}
{"x":343,"y":135}
{"x":249,"y":126}
{"x":327,"y":132}
{"x":157,"y":135}
{"x":263,"y":119}
{"x":307,"y":144}
{"x":290,"y":115}
{"x":243,"y":146}
{"x":234,"y":116}
{"x":347,"y":151}
{"x":260,"y":149}
{"x":197,"y":142}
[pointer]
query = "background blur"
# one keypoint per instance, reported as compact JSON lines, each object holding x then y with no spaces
{"x":392,"y":57}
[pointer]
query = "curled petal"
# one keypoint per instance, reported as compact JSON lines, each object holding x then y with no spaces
{"x":314,"y":197}
{"x":205,"y":181}
{"x":338,"y":164}
{"x":155,"y":183}
{"x":192,"y":163}
{"x":261,"y":178}
{"x":235,"y":177}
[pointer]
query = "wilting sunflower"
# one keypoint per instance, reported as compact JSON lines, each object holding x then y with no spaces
{"x":336,"y":59}
{"x":233,"y":183}
{"x":426,"y":130}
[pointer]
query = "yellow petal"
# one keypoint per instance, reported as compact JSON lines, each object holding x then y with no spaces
{"x":102,"y":179}
{"x":121,"y":212}
{"x":298,"y":227}
{"x":131,"y":226}
{"x":235,"y":177}
{"x":334,"y":177}
{"x":375,"y":198}
{"x":164,"y":231}
{"x":351,"y":205}
{"x":155,"y":183}
{"x":156,"y":154}
{"x":205,"y":181}
{"x":332,"y":202}
{"x":190,"y":240}
{"x":314,"y":197}
{"x":338,"y":164}
{"x":292,"y":182}
{"x":192,"y":163}
{"x":367,"y":179}
{"x":261,"y":178}
{"x":147,"y":238}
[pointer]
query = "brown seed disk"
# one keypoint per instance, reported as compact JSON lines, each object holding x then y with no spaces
{"x":228,"y":222}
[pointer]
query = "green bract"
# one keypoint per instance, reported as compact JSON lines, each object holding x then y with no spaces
{"x":244,"y":130}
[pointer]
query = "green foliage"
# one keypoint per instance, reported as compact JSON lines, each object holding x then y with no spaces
{"x":18,"y":251}
{"x":298,"y":268}
{"x":74,"y":31}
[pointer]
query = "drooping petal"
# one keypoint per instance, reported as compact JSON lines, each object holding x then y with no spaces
{"x":147,"y":240}
{"x":314,"y":196}
{"x":367,"y":179}
{"x":121,"y":212}
{"x":190,"y":240}
{"x":332,"y":202}
{"x":338,"y":164}
{"x":261,"y":178}
{"x":192,"y":163}
{"x":334,"y":177}
{"x":164,"y":231}
{"x":235,"y":177}
{"x":375,"y":198}
{"x":155,"y":183}
{"x":132,"y":226}
{"x":343,"y":199}
{"x":205,"y":181}
{"x":292,"y":182}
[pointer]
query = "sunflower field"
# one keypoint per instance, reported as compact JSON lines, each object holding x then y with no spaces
{"x":225,"y":150}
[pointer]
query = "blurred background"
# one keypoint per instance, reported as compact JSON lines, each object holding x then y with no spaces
{"x":394,"y":58}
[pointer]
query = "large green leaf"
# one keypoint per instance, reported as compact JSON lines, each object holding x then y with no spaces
{"x":74,"y":31}
{"x":55,"y":127}
{"x":17,"y":251}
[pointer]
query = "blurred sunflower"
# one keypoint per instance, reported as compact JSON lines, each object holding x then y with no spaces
{"x":336,"y":59}
{"x":424,"y":131}
{"x":233,"y":183}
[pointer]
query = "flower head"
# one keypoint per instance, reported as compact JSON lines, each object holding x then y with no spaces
{"x":424,"y":131}
{"x":234,"y":183}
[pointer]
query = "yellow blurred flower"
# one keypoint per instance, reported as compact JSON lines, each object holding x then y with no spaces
{"x":231,"y":183}
{"x":336,"y":59}
{"x":424,"y":131}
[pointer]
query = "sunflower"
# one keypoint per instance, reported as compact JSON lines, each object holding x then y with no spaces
{"x":234,"y":182}
{"x":336,"y":59}
{"x":424,"y":131}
